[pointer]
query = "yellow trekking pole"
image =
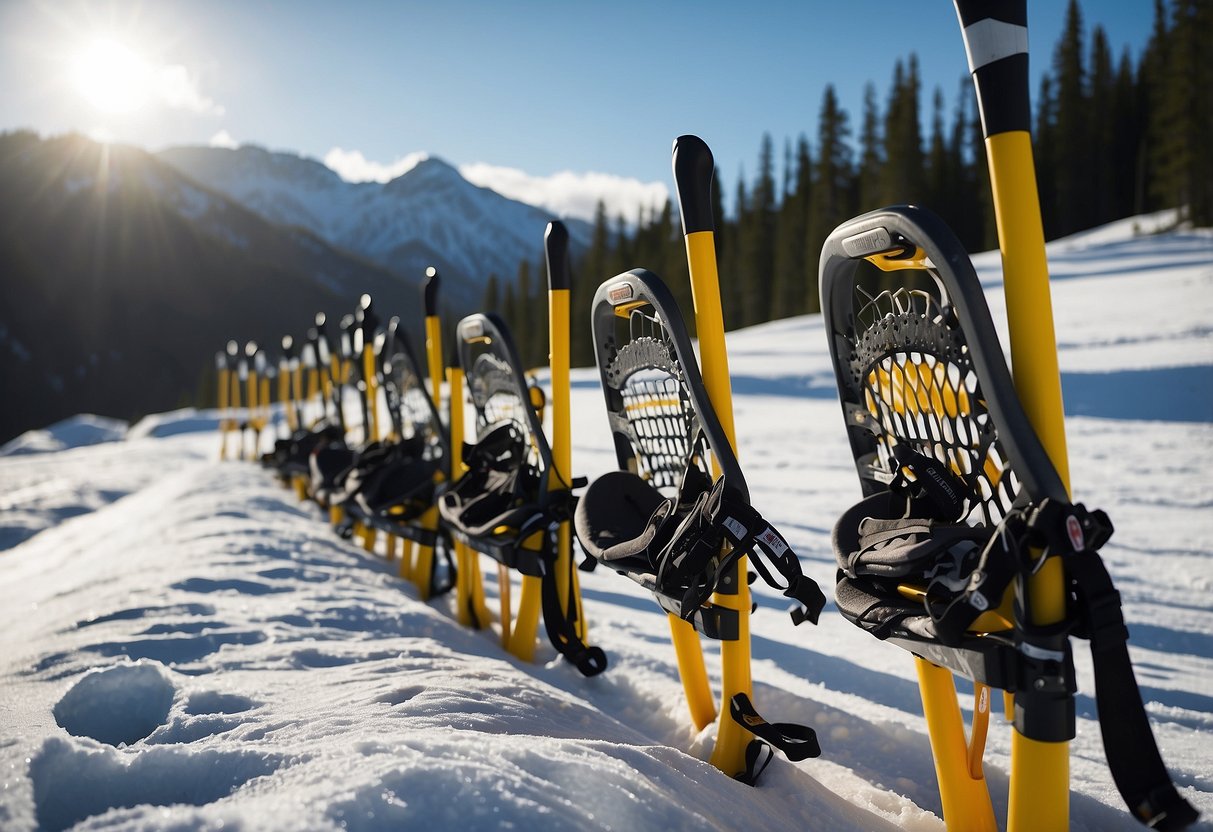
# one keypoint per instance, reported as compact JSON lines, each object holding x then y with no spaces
{"x":364,"y":349}
{"x":693,"y":170}
{"x":556,"y":249}
{"x":423,"y":568}
{"x":223,"y":371}
{"x":287,"y":394}
{"x":996,"y":41}
{"x":246,"y":380}
{"x":471,"y":608}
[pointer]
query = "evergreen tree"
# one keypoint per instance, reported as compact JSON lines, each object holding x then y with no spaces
{"x":1102,"y":129}
{"x":758,"y":245}
{"x":830,"y":200}
{"x":1152,"y":83}
{"x":492,"y":294}
{"x":586,"y":279}
{"x":1129,"y":139}
{"x":1045,"y":153}
{"x":733,"y":294}
{"x":981,"y":183}
{"x":901,"y":174}
{"x":940,"y":186}
{"x":1183,"y":177}
{"x":509,"y":306}
{"x":871,"y":153}
{"x":790,"y":229}
{"x":526,"y":319}
{"x":972,"y":183}
{"x":1071,"y":134}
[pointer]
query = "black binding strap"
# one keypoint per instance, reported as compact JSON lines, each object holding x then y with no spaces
{"x":722,"y":514}
{"x":797,"y":742}
{"x":1129,"y":744}
{"x":893,"y":549}
{"x":561,"y":625}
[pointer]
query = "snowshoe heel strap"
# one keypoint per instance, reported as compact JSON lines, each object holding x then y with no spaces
{"x":797,"y":742}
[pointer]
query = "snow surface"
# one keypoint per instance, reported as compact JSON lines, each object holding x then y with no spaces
{"x":185,"y":646}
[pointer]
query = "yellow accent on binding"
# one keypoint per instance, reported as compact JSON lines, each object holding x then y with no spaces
{"x":624,"y":310}
{"x":887,"y":262}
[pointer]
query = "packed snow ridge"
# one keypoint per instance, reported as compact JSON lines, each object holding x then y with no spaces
{"x":187,"y":646}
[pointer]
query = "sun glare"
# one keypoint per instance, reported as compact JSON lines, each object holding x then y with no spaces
{"x":111,"y":77}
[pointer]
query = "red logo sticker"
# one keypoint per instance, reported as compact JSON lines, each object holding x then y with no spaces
{"x":1074,"y":530}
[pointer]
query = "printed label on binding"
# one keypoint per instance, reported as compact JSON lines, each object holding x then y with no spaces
{"x":1074,"y":530}
{"x":735,"y":528}
{"x":774,"y":543}
{"x":472,"y":330}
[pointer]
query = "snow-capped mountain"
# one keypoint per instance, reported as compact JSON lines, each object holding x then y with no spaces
{"x":120,"y":277}
{"x":429,"y":215}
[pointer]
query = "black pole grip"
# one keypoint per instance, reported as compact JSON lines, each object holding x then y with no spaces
{"x":693,"y":171}
{"x":996,"y":42}
{"x":431,"y":291}
{"x":556,"y":247}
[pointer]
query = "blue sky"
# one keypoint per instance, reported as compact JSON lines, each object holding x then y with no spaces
{"x":516,"y":93}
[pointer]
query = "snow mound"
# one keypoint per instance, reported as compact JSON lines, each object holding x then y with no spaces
{"x":118,"y":705}
{"x":72,"y":783}
{"x":186,"y":420}
{"x":74,"y":432}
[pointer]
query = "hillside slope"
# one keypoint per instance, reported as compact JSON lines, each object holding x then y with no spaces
{"x":120,"y":278}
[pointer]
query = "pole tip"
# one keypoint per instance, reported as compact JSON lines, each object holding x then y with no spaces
{"x":556,"y":248}
{"x":432,"y":281}
{"x":694,"y":168}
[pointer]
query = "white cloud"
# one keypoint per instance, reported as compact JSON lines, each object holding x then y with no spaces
{"x":352,"y":166}
{"x":571,"y":194}
{"x":223,"y":139}
{"x":178,"y":89}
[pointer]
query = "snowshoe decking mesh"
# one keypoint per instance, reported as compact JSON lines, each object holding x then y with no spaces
{"x":919,"y":363}
{"x":503,"y":500}
{"x":503,"y":506}
{"x":394,"y":488}
{"x":918,"y":384}
{"x":958,"y":489}
{"x":663,"y":425}
{"x":932,"y":415}
{"x":660,"y":519}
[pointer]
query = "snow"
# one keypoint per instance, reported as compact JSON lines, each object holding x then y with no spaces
{"x":73,"y":432}
{"x":185,"y":646}
{"x":428,"y":214}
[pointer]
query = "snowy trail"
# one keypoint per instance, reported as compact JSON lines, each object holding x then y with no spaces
{"x":183,"y":645}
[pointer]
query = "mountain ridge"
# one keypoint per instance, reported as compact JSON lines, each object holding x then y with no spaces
{"x":120,"y":277}
{"x":428,"y":215}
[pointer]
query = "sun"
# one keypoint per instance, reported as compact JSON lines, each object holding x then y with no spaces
{"x":112,"y":77}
